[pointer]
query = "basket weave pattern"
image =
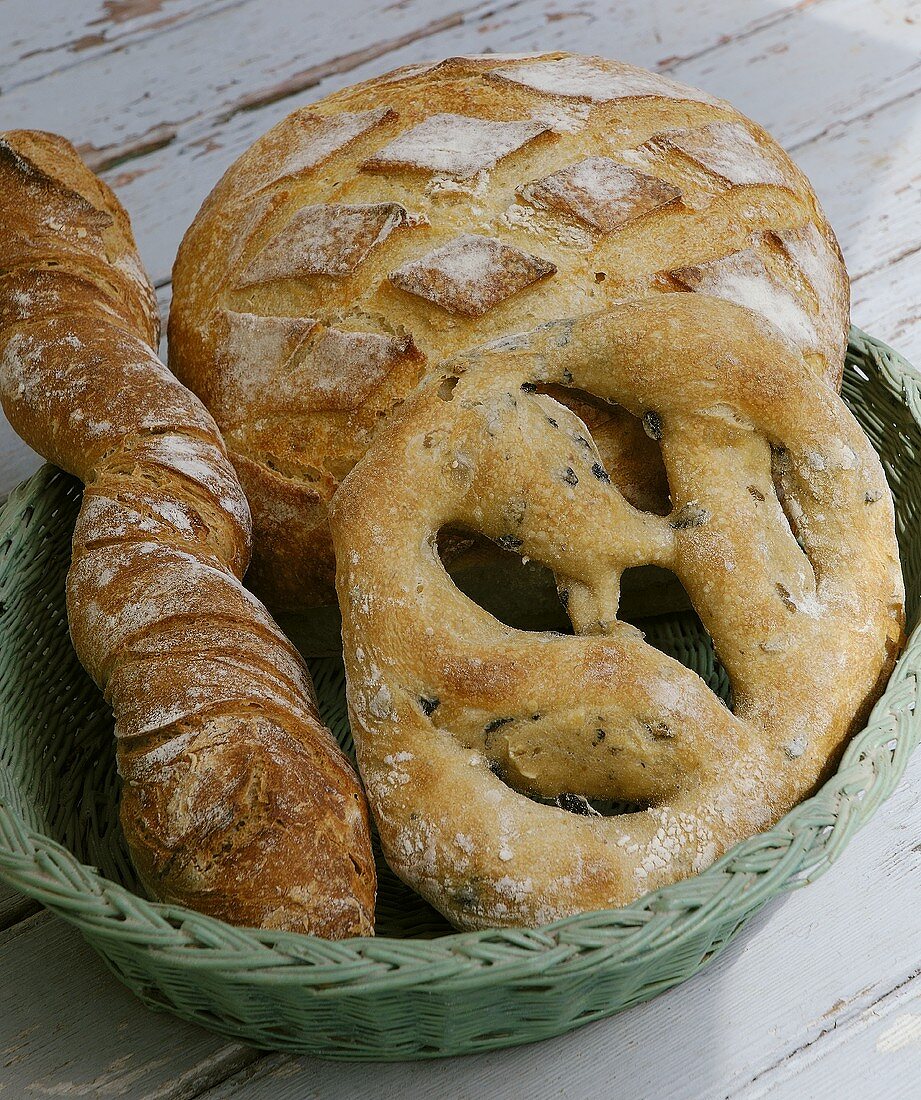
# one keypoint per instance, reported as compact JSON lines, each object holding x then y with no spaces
{"x":417,"y":989}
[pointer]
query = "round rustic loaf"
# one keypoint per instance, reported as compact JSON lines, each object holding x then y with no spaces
{"x":441,"y":206}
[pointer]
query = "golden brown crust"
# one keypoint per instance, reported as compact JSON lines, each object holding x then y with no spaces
{"x":236,"y":799}
{"x":462,"y":201}
{"x":781,"y":531}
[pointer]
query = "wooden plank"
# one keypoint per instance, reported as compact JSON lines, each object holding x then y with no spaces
{"x":815,"y":962}
{"x":887,"y":303}
{"x":877,"y":1053}
{"x":214,"y":82}
{"x":339,"y":38}
{"x":17,"y":461}
{"x":60,"y":34}
{"x":14,"y":907}
{"x":69,"y":1028}
{"x":868,"y":178}
{"x":57,"y":34}
{"x":832,"y":62}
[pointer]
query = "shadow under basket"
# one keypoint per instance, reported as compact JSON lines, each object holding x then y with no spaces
{"x":417,"y":989}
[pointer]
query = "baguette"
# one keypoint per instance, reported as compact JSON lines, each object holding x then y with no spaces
{"x":236,"y":801}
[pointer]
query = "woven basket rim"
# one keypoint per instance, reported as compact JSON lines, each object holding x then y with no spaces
{"x":806,"y":841}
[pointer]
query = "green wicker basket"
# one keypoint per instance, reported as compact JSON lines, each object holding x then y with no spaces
{"x":417,"y":989}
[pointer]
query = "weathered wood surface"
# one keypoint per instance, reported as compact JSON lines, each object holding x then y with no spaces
{"x":68,"y":1028}
{"x":823,"y":997}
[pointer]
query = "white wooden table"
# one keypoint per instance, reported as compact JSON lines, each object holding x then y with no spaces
{"x":822,"y":996}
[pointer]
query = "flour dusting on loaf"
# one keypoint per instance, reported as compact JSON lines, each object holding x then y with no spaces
{"x":600,"y":193}
{"x":730,"y":151}
{"x":597,"y":81}
{"x":313,"y":139}
{"x":454,"y":145}
{"x":743,"y":276}
{"x":471,"y":274}
{"x":324,"y":240}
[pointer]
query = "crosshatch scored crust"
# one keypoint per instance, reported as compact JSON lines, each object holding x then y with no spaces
{"x":599,"y":181}
{"x":781,"y":530}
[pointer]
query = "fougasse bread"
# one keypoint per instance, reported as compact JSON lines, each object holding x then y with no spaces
{"x":781,"y":530}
